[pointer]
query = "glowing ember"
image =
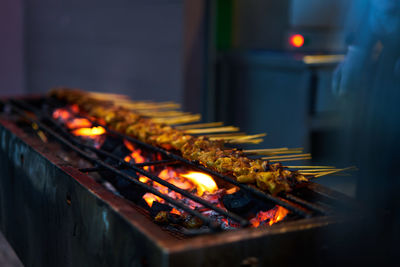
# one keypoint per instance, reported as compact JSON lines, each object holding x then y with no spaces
{"x":150,"y":198}
{"x":144,"y":179}
{"x":274,"y":215}
{"x":62,"y":114}
{"x":74,"y":108}
{"x":78,"y":123}
{"x":171,"y":176}
{"x":135,"y":155}
{"x":94,"y":131}
{"x":203,"y":182}
{"x":175,"y":211}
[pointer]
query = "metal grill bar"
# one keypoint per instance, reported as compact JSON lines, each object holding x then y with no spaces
{"x":195,"y":198}
{"x":306,"y":204}
{"x":150,"y":163}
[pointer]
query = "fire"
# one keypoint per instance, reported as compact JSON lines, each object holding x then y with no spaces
{"x":150,"y":198}
{"x":94,"y":131}
{"x":62,"y":114}
{"x":137,"y":156}
{"x":171,"y":176}
{"x":203,"y":182}
{"x":274,"y":215}
{"x":78,"y":123}
{"x":79,"y":126}
{"x":175,"y":211}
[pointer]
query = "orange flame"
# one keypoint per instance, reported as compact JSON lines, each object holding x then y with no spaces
{"x":279,"y":215}
{"x":274,"y":215}
{"x":175,"y":211}
{"x":94,"y":131}
{"x":78,"y":123}
{"x":203,"y":182}
{"x":150,"y":198}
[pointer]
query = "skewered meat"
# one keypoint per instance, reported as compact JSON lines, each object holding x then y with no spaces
{"x":212,"y":154}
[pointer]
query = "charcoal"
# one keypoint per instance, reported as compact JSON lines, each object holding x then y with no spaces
{"x":120,"y":151}
{"x":111,"y":143}
{"x":158,"y":207}
{"x":127,"y":188}
{"x":238,"y":202}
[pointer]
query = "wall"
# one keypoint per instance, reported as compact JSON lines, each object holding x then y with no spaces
{"x":132,"y":47}
{"x":11,"y":47}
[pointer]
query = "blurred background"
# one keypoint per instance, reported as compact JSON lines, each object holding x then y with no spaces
{"x":263,"y":65}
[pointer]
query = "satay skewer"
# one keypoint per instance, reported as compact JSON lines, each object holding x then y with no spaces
{"x":287,"y":156}
{"x":107,"y":96}
{"x":265,"y":149}
{"x":316,"y":170}
{"x":310,"y":167}
{"x":216,"y":136}
{"x":212,"y":130}
{"x":227,"y":137}
{"x":179,"y":119}
{"x":164,"y":114}
{"x":136,"y":107}
{"x":251,"y":141}
{"x":239,"y":138}
{"x":281,"y":152}
{"x":199,"y":125}
{"x":335,"y":171}
{"x":290,"y":159}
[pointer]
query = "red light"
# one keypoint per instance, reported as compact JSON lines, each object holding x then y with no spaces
{"x":297,"y":40}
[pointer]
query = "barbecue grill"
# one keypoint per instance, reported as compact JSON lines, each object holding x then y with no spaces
{"x":67,"y":201}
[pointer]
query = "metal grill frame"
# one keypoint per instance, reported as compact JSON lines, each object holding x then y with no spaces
{"x":24,"y":159}
{"x":75,"y":144}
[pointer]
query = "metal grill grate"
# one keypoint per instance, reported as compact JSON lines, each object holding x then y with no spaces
{"x":295,"y":204}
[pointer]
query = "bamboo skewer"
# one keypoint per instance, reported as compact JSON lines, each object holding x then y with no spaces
{"x":310,"y":167}
{"x":107,"y":96}
{"x":289,"y":159}
{"x":199,"y":125}
{"x":232,"y":137}
{"x":281,"y":152}
{"x":254,"y":136}
{"x":251,"y":141}
{"x":179,"y":119}
{"x":287,"y":156}
{"x":256,"y":151}
{"x":242,"y":138}
{"x":216,"y":136}
{"x":213,"y":130}
{"x":165,"y":114}
{"x":335,"y":171}
{"x":148,"y":106}
{"x":316,"y":170}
